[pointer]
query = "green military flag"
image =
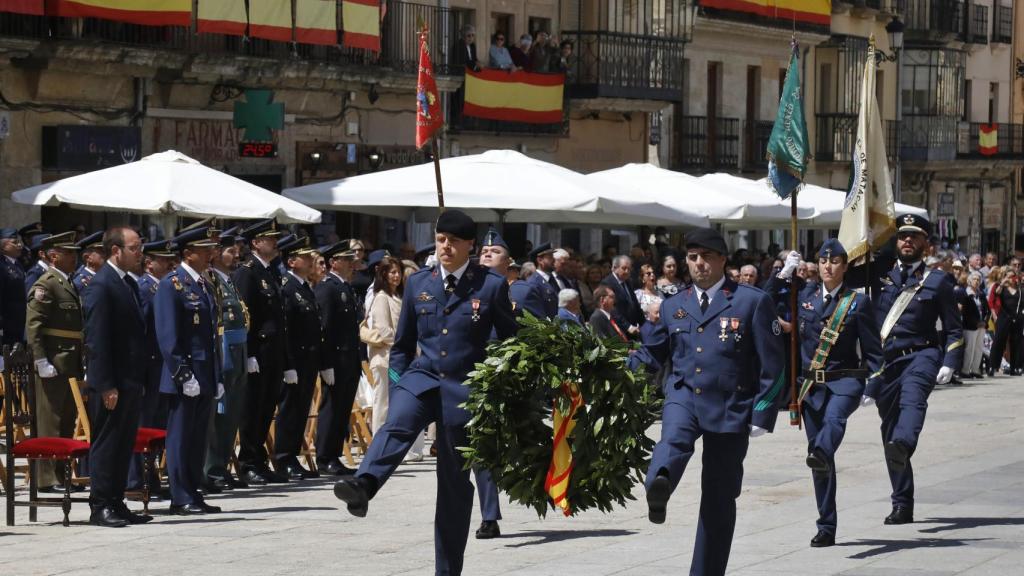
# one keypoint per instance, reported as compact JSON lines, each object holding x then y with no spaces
{"x":787,"y":147}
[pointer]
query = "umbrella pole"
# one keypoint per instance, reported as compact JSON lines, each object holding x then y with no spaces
{"x":437,"y":173}
{"x":794,"y":367}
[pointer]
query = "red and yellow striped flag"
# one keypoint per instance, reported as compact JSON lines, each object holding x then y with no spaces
{"x":808,"y":11}
{"x":316,"y":22}
{"x":988,"y":139}
{"x":514,"y":97}
{"x":557,"y":482}
{"x":224,"y":17}
{"x":270,"y":20}
{"x":32,"y":7}
{"x":361,"y":22}
{"x":145,"y":12}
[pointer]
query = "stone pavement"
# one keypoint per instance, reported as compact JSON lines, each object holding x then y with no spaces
{"x":970,"y":518}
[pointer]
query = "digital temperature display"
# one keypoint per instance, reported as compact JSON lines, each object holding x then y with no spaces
{"x":257,"y":150}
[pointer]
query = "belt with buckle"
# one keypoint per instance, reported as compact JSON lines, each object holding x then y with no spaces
{"x":909,"y":350}
{"x":822,"y":376}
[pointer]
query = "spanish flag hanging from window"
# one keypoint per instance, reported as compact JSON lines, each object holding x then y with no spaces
{"x":988,"y":139}
{"x":316,"y":22}
{"x":31,"y":7}
{"x":270,"y":20}
{"x":514,"y":97}
{"x":222,"y":17}
{"x":806,"y":11}
{"x":145,"y":12}
{"x":361,"y":22}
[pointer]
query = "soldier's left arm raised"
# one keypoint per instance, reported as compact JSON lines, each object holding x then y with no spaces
{"x":768,"y":343}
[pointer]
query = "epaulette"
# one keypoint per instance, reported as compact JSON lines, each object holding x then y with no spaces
{"x":152,"y":288}
{"x":177,"y":283}
{"x":247,"y":264}
{"x":284,"y":280}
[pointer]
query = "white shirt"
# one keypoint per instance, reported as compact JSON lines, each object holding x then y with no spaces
{"x":43,"y":265}
{"x":294,"y":275}
{"x":459,"y":272}
{"x":223,"y":277}
{"x":831,"y":293}
{"x":261,"y":260}
{"x":710,"y":291}
{"x":134,"y":277}
{"x":338,"y":277}
{"x":192,"y":273}
{"x":120,"y":273}
{"x":912,"y":267}
{"x":543,"y":274}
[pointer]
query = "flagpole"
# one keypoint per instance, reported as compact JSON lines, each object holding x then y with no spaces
{"x":794,"y":345}
{"x":437,"y":173}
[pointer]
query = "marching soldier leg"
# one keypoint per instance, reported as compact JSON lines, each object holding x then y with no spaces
{"x":487,"y":491}
{"x":674,"y":449}
{"x":826,"y":427}
{"x":52,"y":395}
{"x":721,"y":482}
{"x":454,"y":501}
{"x":408,"y":416}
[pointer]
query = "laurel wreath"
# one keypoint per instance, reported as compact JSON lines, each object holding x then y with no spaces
{"x":511,"y":397}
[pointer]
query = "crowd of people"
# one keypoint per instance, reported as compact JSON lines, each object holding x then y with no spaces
{"x":539,"y":52}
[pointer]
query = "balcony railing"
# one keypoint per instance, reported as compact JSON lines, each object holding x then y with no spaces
{"x":979,"y":25}
{"x":836,"y":136}
{"x":929,"y":138}
{"x":619,"y":65}
{"x":935,"y":17}
{"x":710,"y":144}
{"x":1002,"y":31}
{"x":1009,"y":141}
{"x":756,"y":134}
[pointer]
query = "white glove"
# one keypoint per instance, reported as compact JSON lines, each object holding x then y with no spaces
{"x":291,"y":377}
{"x":792,"y":261}
{"x":327,"y":376}
{"x":190,"y":388}
{"x":945,"y":375}
{"x":251,"y":365}
{"x":45,"y":369}
{"x":756,"y":431}
{"x":220,"y":391}
{"x":867,"y":401}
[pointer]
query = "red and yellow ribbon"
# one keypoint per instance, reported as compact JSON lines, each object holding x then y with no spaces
{"x":557,"y":482}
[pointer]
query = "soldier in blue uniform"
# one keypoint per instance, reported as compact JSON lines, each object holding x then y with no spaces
{"x":305,"y":356}
{"x":911,"y":301}
{"x":38,"y":256}
{"x":541,"y":279}
{"x":185,"y":310}
{"x":725,"y":386}
{"x":26,"y":233}
{"x":92,"y":260}
{"x":495,"y":254}
{"x":448,"y":314}
{"x":833,"y":320}
{"x":12,"y":289}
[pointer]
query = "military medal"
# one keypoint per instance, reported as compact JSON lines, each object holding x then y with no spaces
{"x":723,"y":322}
{"x":476,"y":310}
{"x":680,"y":314}
{"x":735,"y":325}
{"x":231,"y":314}
{"x":423,"y":297}
{"x":195,"y":318}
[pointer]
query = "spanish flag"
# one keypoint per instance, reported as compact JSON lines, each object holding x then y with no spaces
{"x":988,"y":139}
{"x":514,"y":97}
{"x":270,"y":20}
{"x":31,"y":7}
{"x":806,"y":11}
{"x":145,"y":12}
{"x":556,"y":484}
{"x":316,"y":22}
{"x":361,"y":22}
{"x":223,"y":17}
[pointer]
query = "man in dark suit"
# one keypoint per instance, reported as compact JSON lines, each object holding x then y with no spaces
{"x":602,"y":321}
{"x":339,"y":317}
{"x":448,"y":314}
{"x":541,"y":278}
{"x":12,"y":289}
{"x":115,"y":339}
{"x":627,"y":309}
{"x":465,"y":49}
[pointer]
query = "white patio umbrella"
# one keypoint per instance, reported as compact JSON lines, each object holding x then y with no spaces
{"x":498,"y":185}
{"x":828,"y":205}
{"x":167,"y":183}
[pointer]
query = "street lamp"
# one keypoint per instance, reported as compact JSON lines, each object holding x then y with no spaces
{"x":895,"y":30}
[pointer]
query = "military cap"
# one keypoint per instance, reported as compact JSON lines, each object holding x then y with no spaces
{"x":512,"y":264}
{"x":706,"y":238}
{"x":457,"y":223}
{"x":492,"y":238}
{"x":91,"y":241}
{"x":914,"y":223}
{"x":424,"y":251}
{"x":37,"y":242}
{"x":160,"y":248}
{"x":375,"y":257}
{"x":30,"y":230}
{"x":63,"y":241}
{"x":541,"y":250}
{"x":8,"y":233}
{"x":203,"y":237}
{"x":263,"y":228}
{"x":338,"y":250}
{"x":292,"y":245}
{"x":831,"y":248}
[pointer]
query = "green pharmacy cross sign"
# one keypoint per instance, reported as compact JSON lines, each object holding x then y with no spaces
{"x":259,"y":115}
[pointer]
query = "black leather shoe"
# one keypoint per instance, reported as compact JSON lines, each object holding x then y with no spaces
{"x":187,"y":510}
{"x":488,"y":529}
{"x":235,"y":483}
{"x":220,"y":484}
{"x":210,"y":488}
{"x":132,"y":517}
{"x":272,"y":477}
{"x":900,"y":515}
{"x":657,"y":499}
{"x":352,"y":491}
{"x":823,"y":539}
{"x":254,"y":478}
{"x":295,"y":471}
{"x":209,"y":509}
{"x":897,"y":455}
{"x":817,"y":462}
{"x":55,"y":489}
{"x":108,"y":518}
{"x":335,"y":468}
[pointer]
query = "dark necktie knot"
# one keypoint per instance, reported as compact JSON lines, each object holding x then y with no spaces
{"x":704,"y":302}
{"x":828,"y":298}
{"x":449,"y":283}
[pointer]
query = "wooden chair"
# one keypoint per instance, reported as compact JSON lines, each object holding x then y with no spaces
{"x":148,"y":442}
{"x":17,"y":385}
{"x":360,"y":435}
{"x":308,"y":451}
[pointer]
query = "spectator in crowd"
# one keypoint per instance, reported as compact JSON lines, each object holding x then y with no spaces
{"x":990,"y":264}
{"x":733,"y":273}
{"x":974,"y":308}
{"x":569,"y":306}
{"x":591,"y":280}
{"x":748,"y":275}
{"x":670,"y":275}
{"x":974,"y":264}
{"x":541,"y":53}
{"x":566,"y":61}
{"x":384,"y":311}
{"x":519,"y":54}
{"x":811,"y":272}
{"x":648,"y":292}
{"x":1008,"y":323}
{"x":628,"y":315}
{"x":499,"y":56}
{"x":528,"y":269}
{"x":601,"y":321}
{"x":995,"y":276}
{"x":465,"y":49}
{"x":561,"y":274}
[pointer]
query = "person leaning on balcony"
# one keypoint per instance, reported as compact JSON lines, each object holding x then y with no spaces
{"x":519,"y":52}
{"x":465,"y":49}
{"x":541,"y":53}
{"x":499,"y":55}
{"x":564,"y":60}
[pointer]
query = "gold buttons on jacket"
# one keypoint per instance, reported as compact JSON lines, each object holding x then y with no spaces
{"x":701,"y":329}
{"x":699,"y":349}
{"x":699,"y":370}
{"x":444,"y":352}
{"x":696,"y":390}
{"x":444,"y":330}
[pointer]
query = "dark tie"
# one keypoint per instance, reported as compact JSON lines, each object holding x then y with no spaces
{"x":134,"y":286}
{"x":904,"y":273}
{"x":828,"y":298}
{"x":704,"y":302}
{"x":449,"y":283}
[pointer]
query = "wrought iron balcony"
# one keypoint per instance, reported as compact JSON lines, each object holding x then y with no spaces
{"x":709,"y":145}
{"x":1009,"y":141}
{"x":756,"y":134}
{"x":935,"y":19}
{"x":620,"y":65}
{"x":1002,"y":30}
{"x":929,"y":138}
{"x":836,"y":136}
{"x":979,"y":25}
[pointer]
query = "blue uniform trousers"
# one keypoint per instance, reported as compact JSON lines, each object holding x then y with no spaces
{"x":825,"y":415}
{"x":902,"y":404}
{"x":487,"y":492}
{"x":721,"y":481}
{"x":188,"y":424}
{"x":408,"y":415}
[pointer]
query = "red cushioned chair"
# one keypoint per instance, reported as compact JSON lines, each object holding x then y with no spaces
{"x":16,"y":382}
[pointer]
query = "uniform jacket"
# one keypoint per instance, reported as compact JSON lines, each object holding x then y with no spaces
{"x":339,"y":318}
{"x":53,"y":326}
{"x":148,"y":285}
{"x":565,"y":315}
{"x":33,"y":273}
{"x":733,"y":375}
{"x":260,"y":290}
{"x":451,"y":333}
{"x":186,"y":324}
{"x":232,"y":321}
{"x":528,"y":297}
{"x":548,"y":295}
{"x":305,"y":333}
{"x":82,"y":278}
{"x":115,"y":334}
{"x":12,"y":300}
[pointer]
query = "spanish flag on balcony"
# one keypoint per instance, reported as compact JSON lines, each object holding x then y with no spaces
{"x":806,"y":11}
{"x":223,"y":17}
{"x":316,"y":22}
{"x":270,"y":20}
{"x":361,"y":22}
{"x":988,"y":139}
{"x":31,"y":7}
{"x":145,"y":12}
{"x":514,"y":97}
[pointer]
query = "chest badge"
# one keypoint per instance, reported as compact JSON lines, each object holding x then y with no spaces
{"x":680,"y":314}
{"x":195,"y":318}
{"x":724,"y":323}
{"x":734,"y":323}
{"x":476,"y":309}
{"x":808,"y":306}
{"x":424,"y":297}
{"x":263,"y":282}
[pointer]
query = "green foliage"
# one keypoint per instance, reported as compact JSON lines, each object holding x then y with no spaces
{"x":510,"y":399}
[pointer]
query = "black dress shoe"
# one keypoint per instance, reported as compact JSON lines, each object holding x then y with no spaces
{"x":209,"y":509}
{"x":295,"y":471}
{"x":976,"y":375}
{"x":657,"y":499}
{"x":254,"y":478}
{"x":352,"y":490}
{"x":897,"y":455}
{"x":220,"y":484}
{"x":335,"y":468}
{"x":235,"y":483}
{"x":900,"y":515}
{"x":823,"y":539}
{"x":272,"y":477}
{"x":488,"y":529}
{"x":187,"y":510}
{"x":132,"y":517}
{"x":108,"y":518}
{"x":210,"y":488}
{"x":817,"y":462}
{"x":55,"y":489}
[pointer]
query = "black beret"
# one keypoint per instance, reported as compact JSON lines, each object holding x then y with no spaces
{"x":706,"y":238}
{"x":457,"y":223}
